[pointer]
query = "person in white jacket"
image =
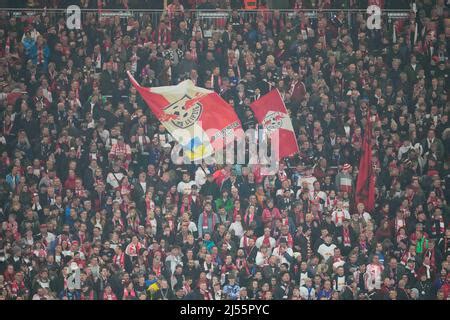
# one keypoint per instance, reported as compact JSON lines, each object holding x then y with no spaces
{"x":283,"y":252}
{"x":267,"y":240}
{"x":307,"y":291}
{"x":340,"y":214}
{"x":373,"y":273}
{"x":237,"y":227}
{"x":200,"y":174}
{"x":262,"y":257}
{"x":326,"y":249}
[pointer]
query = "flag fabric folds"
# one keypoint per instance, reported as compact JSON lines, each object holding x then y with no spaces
{"x":271,"y":113}
{"x":365,"y":183}
{"x":197,"y":118}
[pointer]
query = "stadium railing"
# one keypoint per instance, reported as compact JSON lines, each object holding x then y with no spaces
{"x":210,"y":20}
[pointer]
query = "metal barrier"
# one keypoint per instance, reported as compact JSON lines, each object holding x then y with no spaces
{"x":209,"y":19}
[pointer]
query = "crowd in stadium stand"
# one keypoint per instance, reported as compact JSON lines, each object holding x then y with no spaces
{"x":86,"y":177}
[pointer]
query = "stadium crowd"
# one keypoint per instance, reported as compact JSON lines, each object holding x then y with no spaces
{"x":86,"y":176}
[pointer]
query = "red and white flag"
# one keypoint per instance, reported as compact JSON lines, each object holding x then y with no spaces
{"x":197,"y":118}
{"x":271,"y":113}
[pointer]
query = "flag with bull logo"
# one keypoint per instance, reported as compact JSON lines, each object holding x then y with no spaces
{"x":271,"y":113}
{"x":197,"y":118}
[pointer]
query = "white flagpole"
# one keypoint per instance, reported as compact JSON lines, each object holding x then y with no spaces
{"x":416,"y":31}
{"x":394,"y":34}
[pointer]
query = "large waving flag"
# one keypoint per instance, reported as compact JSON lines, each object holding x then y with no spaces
{"x":271,"y":113}
{"x":197,"y":118}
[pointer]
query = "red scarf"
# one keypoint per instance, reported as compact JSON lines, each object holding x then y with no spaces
{"x":144,"y":141}
{"x":245,"y":241}
{"x":134,"y":249}
{"x":243,"y":264}
{"x":114,"y":220}
{"x":363,"y":244}
{"x":157,"y":269}
{"x":441,"y":226}
{"x":171,"y":224}
{"x":266,"y":241}
{"x":205,"y":220}
{"x":163,"y":36}
{"x":346,"y":237}
{"x":399,"y":223}
{"x":184,"y":209}
{"x":149,"y":203}
{"x":235,"y":214}
{"x":249,"y":219}
{"x":7,"y":46}
{"x":40,"y":55}
{"x":194,"y":54}
{"x":206,"y":295}
{"x":82,"y":238}
{"x":7,"y":127}
{"x":91,"y":296}
{"x":339,"y":216}
{"x":134,"y":222}
{"x":127,"y":293}
{"x":111,"y":296}
{"x":406,"y":257}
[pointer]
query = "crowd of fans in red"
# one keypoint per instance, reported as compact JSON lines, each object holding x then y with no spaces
{"x":86,"y":177}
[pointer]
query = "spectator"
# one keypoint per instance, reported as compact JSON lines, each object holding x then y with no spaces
{"x":86,"y":175}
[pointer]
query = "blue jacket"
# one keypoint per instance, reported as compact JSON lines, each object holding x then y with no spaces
{"x":12,"y":181}
{"x":232,"y":291}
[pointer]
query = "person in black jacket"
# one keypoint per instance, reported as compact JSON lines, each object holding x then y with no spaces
{"x":210,"y":188}
{"x":202,"y":293}
{"x":284,"y":290}
{"x":345,"y":237}
{"x":108,"y":80}
{"x":164,"y":292}
{"x":424,"y":287}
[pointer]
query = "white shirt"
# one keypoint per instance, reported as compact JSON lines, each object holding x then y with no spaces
{"x":260,"y":260}
{"x":192,"y":227}
{"x":402,"y":150}
{"x":316,"y":196}
{"x":304,"y":293}
{"x":154,"y":225}
{"x":366,"y":216}
{"x":309,"y":181}
{"x":276,"y":252}
{"x":200,"y":176}
{"x":326,"y":251}
{"x":185,"y":187}
{"x":338,"y":217}
{"x":238,"y":229}
{"x":260,"y":240}
{"x":113,"y":179}
{"x":373,"y":276}
{"x":50,"y":237}
{"x":303,"y":277}
{"x":340,"y":283}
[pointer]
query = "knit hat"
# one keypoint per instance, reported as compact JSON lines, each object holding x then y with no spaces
{"x":346,"y":167}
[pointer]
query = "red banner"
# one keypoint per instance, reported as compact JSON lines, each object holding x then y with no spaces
{"x":271,"y":113}
{"x":365,"y":183}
